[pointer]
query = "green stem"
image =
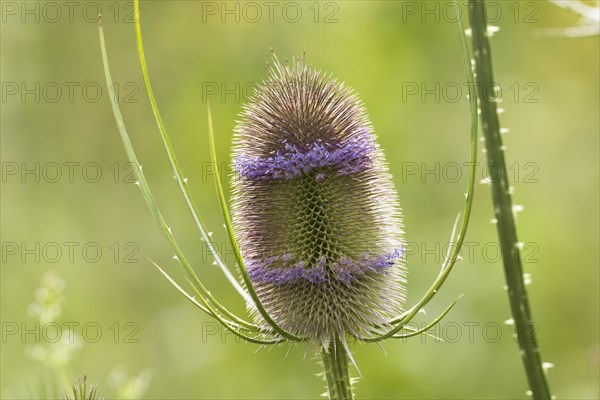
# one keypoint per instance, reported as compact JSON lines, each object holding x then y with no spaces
{"x":507,"y":233}
{"x":335,"y":361}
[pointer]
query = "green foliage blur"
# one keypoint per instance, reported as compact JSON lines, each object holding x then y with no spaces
{"x":69,"y":205}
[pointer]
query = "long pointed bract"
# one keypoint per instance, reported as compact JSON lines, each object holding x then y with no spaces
{"x":143,"y":184}
{"x":181,"y":181}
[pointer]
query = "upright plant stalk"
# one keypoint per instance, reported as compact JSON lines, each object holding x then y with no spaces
{"x":335,"y":363}
{"x":507,"y":233}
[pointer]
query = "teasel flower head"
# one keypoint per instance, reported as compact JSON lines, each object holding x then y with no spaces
{"x":316,"y":227}
{"x":314,"y":207}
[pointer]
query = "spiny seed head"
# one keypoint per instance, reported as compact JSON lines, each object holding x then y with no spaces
{"x":315,"y":210}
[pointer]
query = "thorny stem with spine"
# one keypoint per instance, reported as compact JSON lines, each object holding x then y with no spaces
{"x":501,"y":194}
{"x":336,"y":369}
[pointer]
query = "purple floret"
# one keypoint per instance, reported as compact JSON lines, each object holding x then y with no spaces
{"x":347,"y":158}
{"x":344,"y":269}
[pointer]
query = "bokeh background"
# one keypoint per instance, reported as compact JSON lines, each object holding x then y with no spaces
{"x":137,"y":337}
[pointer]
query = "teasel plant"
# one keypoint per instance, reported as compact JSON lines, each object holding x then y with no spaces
{"x":315,"y":224}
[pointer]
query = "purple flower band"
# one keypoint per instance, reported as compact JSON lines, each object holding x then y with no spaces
{"x":347,"y":158}
{"x":345,"y":269}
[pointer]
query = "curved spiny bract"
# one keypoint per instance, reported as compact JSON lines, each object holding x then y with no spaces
{"x":315,"y":212}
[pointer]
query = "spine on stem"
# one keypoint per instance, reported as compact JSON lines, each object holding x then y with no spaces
{"x":335,"y":362}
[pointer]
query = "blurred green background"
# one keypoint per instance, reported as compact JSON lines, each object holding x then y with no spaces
{"x":403,"y":60}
